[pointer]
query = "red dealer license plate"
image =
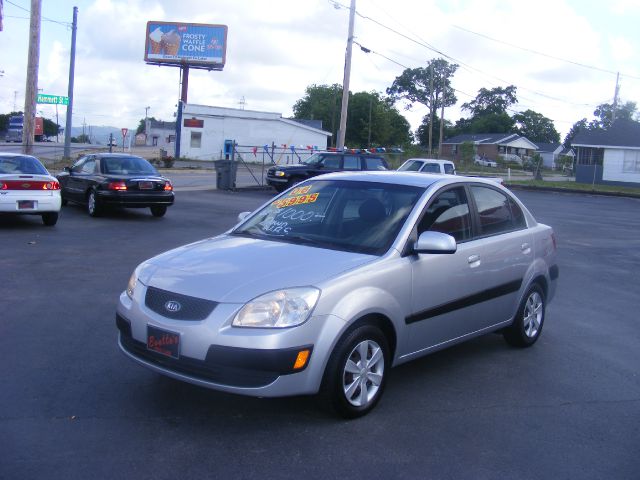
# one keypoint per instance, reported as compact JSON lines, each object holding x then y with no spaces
{"x":162,"y":341}
{"x":26,"y":204}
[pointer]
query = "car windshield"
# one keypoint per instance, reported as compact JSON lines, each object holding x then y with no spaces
{"x":410,"y":166}
{"x":313,"y":159}
{"x":126,"y":165}
{"x":22,"y":164}
{"x":363,"y":217}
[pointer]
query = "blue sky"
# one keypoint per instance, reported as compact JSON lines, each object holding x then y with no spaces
{"x":277,"y":48}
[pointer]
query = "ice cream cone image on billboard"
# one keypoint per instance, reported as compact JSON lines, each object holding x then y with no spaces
{"x":171,"y":43}
{"x":155,"y":41}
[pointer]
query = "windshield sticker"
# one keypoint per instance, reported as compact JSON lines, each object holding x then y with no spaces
{"x":298,"y":200}
{"x":300,"y":191}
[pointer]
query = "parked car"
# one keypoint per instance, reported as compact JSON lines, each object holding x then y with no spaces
{"x":106,"y":180}
{"x":285,"y":176}
{"x":485,"y":162}
{"x":428,"y":165}
{"x":27,"y":188}
{"x":332,"y":283}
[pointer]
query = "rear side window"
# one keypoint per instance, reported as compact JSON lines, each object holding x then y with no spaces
{"x":351,"y":162}
{"x":374,"y":163}
{"x":431,"y":168}
{"x":494,"y":211}
{"x":331,"y":162}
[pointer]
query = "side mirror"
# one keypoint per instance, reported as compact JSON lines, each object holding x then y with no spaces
{"x":435,"y":242}
{"x":243,"y":215}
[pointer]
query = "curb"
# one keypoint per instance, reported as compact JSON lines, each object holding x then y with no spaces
{"x":571,"y":190}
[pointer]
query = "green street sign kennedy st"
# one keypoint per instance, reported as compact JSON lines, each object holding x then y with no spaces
{"x":52,"y":99}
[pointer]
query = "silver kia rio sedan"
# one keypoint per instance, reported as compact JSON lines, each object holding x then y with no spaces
{"x":326,"y":287}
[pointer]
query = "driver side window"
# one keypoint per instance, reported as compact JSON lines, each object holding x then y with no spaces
{"x":448,"y":213}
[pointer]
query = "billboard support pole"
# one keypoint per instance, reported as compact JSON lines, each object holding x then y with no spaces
{"x":184,"y":74}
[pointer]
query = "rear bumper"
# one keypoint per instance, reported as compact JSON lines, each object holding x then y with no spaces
{"x":134,"y":199}
{"x":44,"y":203}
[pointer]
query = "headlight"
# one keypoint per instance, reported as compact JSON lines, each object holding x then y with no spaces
{"x":279,"y":309}
{"x":279,"y":173}
{"x":131,"y":286}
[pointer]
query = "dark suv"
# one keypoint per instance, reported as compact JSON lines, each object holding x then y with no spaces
{"x":282,"y":177}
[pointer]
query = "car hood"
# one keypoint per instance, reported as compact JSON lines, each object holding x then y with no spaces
{"x":236,"y":269}
{"x":294,"y":168}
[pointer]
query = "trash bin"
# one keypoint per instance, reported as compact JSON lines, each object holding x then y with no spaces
{"x":226,"y":174}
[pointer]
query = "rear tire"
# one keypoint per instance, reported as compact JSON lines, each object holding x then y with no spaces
{"x":355,"y":376}
{"x":527,"y":326}
{"x":93,"y":207}
{"x":50,"y":218}
{"x":158,"y":210}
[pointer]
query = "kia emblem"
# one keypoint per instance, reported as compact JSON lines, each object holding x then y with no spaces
{"x":172,"y":306}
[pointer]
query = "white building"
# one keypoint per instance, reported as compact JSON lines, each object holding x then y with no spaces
{"x":205,"y":130}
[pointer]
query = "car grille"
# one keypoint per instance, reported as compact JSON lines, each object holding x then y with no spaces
{"x":177,"y":306}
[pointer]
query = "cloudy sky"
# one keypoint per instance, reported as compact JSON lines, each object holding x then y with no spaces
{"x":561,"y":54}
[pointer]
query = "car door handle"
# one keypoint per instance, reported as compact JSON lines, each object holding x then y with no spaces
{"x":526,"y":248}
{"x":474,"y":261}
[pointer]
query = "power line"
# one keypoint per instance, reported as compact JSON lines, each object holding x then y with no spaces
{"x":583,"y":65}
{"x":65,"y":24}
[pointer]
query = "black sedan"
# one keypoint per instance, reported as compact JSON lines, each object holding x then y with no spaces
{"x":107,"y":180}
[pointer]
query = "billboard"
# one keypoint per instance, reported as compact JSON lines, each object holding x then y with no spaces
{"x":193,"y":44}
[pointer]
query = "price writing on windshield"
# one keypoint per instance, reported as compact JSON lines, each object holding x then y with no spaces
{"x":297,"y":200}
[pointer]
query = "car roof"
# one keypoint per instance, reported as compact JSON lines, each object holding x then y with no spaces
{"x":351,"y":153}
{"x":415,"y":179}
{"x":13,"y":155}
{"x":435,"y":160}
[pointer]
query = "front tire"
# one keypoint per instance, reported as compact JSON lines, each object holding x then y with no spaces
{"x":527,"y":326}
{"x":356,"y":373}
{"x":50,"y":218}
{"x":158,"y":210}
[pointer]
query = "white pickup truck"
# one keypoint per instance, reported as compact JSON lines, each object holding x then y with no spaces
{"x":432,"y":165}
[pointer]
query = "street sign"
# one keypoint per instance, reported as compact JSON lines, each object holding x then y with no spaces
{"x":52,"y":99}
{"x":124,"y":132}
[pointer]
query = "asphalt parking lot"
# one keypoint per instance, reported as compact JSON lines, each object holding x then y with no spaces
{"x":72,"y":406}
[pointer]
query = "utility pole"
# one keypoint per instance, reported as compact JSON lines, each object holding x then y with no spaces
{"x":347,"y":75}
{"x":31,"y":90}
{"x":615,"y":98}
{"x":431,"y":108}
{"x":72,"y":66}
{"x":146,"y":115}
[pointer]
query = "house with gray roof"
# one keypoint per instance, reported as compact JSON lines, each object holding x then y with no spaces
{"x":609,"y":156}
{"x":551,"y":152}
{"x":494,"y":146}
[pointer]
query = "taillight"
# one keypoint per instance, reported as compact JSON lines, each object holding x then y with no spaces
{"x":29,"y":185}
{"x":117,"y":186}
{"x":167,"y":186}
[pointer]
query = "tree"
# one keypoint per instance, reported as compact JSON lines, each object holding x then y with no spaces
{"x":141,"y":125}
{"x":496,"y":101}
{"x":386,"y":127}
{"x":430,"y":86}
{"x":604,"y":113}
{"x":82,"y":138}
{"x":577,"y":127}
{"x":536,"y":127}
{"x":51,"y":128}
{"x":489,"y":112}
{"x":321,"y":102}
{"x":422,"y":133}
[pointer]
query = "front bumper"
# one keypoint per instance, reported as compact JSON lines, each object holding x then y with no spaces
{"x":135,"y":199}
{"x":255,"y":362}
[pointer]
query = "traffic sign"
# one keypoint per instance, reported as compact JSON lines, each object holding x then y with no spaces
{"x":52,"y":99}
{"x":124,"y":132}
